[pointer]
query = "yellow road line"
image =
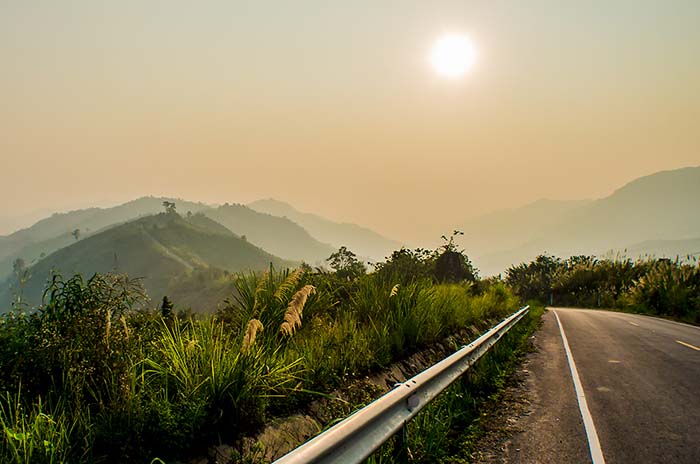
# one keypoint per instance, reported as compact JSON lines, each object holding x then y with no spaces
{"x":688,"y":345}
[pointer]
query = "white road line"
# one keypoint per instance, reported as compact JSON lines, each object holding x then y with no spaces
{"x":659,"y":319}
{"x":636,"y":325}
{"x":692,"y":347}
{"x":591,"y":434}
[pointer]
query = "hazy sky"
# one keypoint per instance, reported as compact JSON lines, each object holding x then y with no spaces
{"x":333,"y":107}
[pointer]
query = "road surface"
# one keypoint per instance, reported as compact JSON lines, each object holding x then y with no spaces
{"x":638,"y":400}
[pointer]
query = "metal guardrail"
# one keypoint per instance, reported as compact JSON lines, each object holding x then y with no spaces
{"x":358,"y":436}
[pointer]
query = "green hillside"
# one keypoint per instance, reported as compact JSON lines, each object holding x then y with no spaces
{"x":361,"y":240}
{"x":160,"y":249}
{"x":54,"y":232}
{"x":278,"y":235}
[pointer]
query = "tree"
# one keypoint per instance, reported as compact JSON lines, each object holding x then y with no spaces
{"x":534,"y":280}
{"x":169,"y":207}
{"x":345,"y":264}
{"x":453,"y":265}
{"x":21,"y":272}
{"x":407,"y":265}
{"x":76,"y":234}
{"x":166,"y":308}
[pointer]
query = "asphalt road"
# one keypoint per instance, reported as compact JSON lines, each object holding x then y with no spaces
{"x":640,"y":378}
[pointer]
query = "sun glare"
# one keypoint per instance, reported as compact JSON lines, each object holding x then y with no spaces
{"x":452,"y":55}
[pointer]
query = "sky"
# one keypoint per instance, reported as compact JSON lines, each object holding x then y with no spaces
{"x":333,"y":106}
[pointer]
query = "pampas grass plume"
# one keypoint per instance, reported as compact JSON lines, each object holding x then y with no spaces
{"x":251,"y":331}
{"x":394,"y":290}
{"x":292,"y":317}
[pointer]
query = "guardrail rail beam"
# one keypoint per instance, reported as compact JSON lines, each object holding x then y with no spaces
{"x":358,"y":436}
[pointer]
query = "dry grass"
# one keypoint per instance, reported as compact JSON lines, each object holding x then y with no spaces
{"x":252,"y":328}
{"x":294,"y":313}
{"x":394,"y":290}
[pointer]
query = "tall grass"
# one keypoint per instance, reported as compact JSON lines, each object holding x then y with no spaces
{"x":35,"y":435}
{"x":202,"y":363}
{"x":133,"y":385}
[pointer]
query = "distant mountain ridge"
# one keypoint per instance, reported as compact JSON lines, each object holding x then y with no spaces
{"x":653,"y":210}
{"x":361,"y":240}
{"x":510,"y":228}
{"x":278,"y":235}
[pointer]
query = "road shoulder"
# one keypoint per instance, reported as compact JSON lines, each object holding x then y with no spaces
{"x":538,"y":419}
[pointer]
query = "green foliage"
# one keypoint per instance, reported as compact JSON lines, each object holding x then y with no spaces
{"x":198,"y":381}
{"x":169,"y":207}
{"x":406,"y":265}
{"x":534,"y":280}
{"x":447,"y":264}
{"x":669,"y":288}
{"x":655,"y":286}
{"x":166,"y":308}
{"x":345,"y":264}
{"x":37,"y":436}
{"x":129,"y":384}
{"x":452,"y":265}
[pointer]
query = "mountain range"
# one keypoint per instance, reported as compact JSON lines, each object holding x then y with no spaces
{"x":161,"y":248}
{"x":653,"y":215}
{"x":280,"y":236}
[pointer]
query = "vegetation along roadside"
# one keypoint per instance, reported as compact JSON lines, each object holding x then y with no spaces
{"x":95,"y":375}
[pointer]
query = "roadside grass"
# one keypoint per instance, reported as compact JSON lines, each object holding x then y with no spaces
{"x":92,"y":378}
{"x":39,"y":435}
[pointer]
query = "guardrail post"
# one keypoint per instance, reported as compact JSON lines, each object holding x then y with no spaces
{"x":401,"y":451}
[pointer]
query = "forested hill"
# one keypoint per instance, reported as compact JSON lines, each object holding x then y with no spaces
{"x":158,"y":248}
{"x":56,"y":231}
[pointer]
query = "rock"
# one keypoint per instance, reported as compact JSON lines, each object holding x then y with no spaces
{"x":222,"y":454}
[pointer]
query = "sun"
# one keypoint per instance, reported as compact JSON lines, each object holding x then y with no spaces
{"x":452,"y":55}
